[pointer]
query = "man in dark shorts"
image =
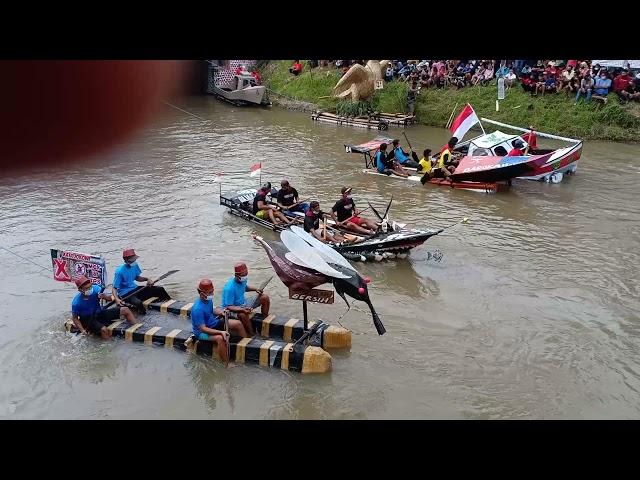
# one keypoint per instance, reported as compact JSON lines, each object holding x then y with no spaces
{"x":347,"y":215}
{"x":312,"y":224}
{"x":89,"y":316}
{"x":267,"y":211}
{"x":288,"y":199}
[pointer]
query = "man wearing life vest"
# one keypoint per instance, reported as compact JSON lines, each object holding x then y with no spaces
{"x":387,"y":165}
{"x":403,"y":157}
{"x":446,"y":164}
{"x":531,"y":138}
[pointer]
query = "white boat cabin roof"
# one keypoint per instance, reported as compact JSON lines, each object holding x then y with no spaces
{"x":491,"y":140}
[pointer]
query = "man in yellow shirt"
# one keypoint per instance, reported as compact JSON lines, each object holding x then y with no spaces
{"x":424,"y":165}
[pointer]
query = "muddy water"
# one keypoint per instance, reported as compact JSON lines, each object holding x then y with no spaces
{"x":533,"y":311}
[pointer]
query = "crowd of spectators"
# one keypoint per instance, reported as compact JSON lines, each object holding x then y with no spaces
{"x":579,"y":79}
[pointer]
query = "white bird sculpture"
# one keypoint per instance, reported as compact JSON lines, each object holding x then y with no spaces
{"x":359,"y":81}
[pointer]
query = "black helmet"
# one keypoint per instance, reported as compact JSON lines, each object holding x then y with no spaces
{"x":517,"y":143}
{"x":267,"y":186}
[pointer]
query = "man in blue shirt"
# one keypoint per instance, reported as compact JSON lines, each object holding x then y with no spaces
{"x":601,"y":87}
{"x":207,"y":321}
{"x":124,"y":282}
{"x":89,"y":316}
{"x":387,"y":165}
{"x":403,"y":157}
{"x":233,"y":298}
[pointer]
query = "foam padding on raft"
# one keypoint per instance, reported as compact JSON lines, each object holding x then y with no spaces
{"x":264,"y":352}
{"x":336,"y":337}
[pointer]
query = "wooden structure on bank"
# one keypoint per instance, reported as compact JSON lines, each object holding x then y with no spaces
{"x":376,"y":121}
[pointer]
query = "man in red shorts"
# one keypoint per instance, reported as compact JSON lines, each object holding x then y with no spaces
{"x":347,"y":215}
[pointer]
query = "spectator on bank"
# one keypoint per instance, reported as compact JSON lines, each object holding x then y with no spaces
{"x":629,"y":92}
{"x":601,"y":87}
{"x":503,"y":70}
{"x":586,"y":86}
{"x":475,"y":79}
{"x":566,"y":77}
{"x":388,"y":74}
{"x":296,"y":68}
{"x":621,"y":81}
{"x":510,"y":78}
{"x":573,"y":85}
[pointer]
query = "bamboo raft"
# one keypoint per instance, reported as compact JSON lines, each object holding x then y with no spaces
{"x":380,"y":121}
{"x":264,"y":352}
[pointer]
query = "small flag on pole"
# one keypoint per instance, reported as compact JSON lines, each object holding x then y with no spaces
{"x":255,"y":169}
{"x":463,"y":122}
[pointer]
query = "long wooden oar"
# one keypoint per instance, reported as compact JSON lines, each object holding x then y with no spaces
{"x":256,"y":302}
{"x":227,"y":340}
{"x":161,"y":277}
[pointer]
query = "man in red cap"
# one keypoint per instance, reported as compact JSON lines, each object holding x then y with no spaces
{"x":124,"y":282}
{"x":207,"y":321}
{"x":89,"y":316}
{"x":234,"y":301}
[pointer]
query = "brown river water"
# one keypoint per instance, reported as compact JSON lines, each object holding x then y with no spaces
{"x":533,"y":311}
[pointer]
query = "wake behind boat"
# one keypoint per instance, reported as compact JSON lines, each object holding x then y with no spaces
{"x":393,"y":239}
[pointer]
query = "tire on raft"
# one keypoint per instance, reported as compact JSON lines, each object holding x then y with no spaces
{"x":273,"y":353}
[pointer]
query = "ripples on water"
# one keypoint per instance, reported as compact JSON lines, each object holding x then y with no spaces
{"x":532,"y":312}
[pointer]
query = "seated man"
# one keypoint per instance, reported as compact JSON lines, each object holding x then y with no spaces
{"x":288,"y":199}
{"x":296,"y":68}
{"x":403,"y":157}
{"x":125,"y":278}
{"x":586,"y":85}
{"x":446,"y":163}
{"x":312,"y":225}
{"x":89,"y":316}
{"x":630,"y":92}
{"x":517,"y":150}
{"x":347,"y":215}
{"x":601,"y":87}
{"x":207,"y":321}
{"x":531,"y":137}
{"x":263,"y":210}
{"x":620,"y":83}
{"x":425,"y":165}
{"x":234,"y":301}
{"x":387,"y":165}
{"x":510,"y":78}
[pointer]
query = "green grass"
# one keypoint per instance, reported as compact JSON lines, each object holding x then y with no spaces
{"x":550,"y":113}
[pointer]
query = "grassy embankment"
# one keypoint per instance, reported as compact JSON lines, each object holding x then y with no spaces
{"x":553,"y":113}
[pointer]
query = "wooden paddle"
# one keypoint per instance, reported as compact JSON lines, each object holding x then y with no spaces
{"x":256,"y":302}
{"x":161,"y":277}
{"x":226,"y":328}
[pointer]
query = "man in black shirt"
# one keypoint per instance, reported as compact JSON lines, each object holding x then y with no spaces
{"x":288,"y":199}
{"x":348,"y":215}
{"x":263,"y":210}
{"x":312,"y":224}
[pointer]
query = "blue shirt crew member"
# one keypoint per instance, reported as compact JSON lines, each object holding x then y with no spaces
{"x":87,"y":314}
{"x":124,"y":282}
{"x":207,"y":321}
{"x":402,"y":156}
{"x":233,"y":297}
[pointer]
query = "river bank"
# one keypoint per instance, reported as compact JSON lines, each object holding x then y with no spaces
{"x":553,"y":113}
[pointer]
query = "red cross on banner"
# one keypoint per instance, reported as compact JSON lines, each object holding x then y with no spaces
{"x":60,"y":273}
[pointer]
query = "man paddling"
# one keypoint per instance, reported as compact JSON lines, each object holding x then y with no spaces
{"x":89,"y":316}
{"x":347,"y":215}
{"x":263,"y":210}
{"x":233,"y":298}
{"x":312,"y":225}
{"x":288,"y":199}
{"x":124,"y":282}
{"x":207,"y":320}
{"x":403,"y":157}
{"x":387,"y":165}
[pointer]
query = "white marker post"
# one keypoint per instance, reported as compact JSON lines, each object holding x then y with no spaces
{"x":500,"y":93}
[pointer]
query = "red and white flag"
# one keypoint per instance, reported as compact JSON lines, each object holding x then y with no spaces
{"x":255,"y":169}
{"x":464,"y":122}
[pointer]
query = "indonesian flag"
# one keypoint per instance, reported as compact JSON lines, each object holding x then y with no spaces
{"x":255,"y":169}
{"x":464,"y":122}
